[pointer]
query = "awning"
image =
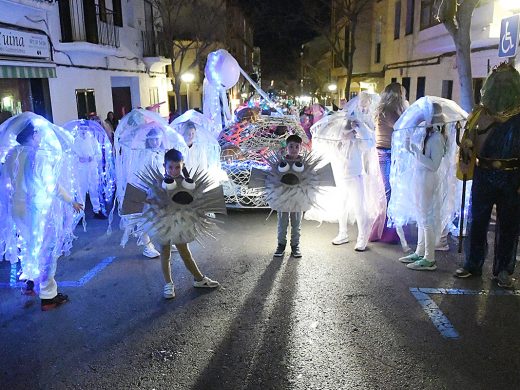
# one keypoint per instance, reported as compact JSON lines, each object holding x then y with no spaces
{"x":26,"y":72}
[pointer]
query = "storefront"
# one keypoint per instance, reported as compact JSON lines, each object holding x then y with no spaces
{"x":25,"y":67}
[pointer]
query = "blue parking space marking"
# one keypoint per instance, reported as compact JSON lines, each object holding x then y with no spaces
{"x":67,"y":283}
{"x":441,"y":322}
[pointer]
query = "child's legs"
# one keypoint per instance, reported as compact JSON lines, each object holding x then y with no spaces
{"x":190,"y":264}
{"x":47,"y":265}
{"x":420,"y":241}
{"x":165,"y":263}
{"x":93,"y":187}
{"x":296,"y":222}
{"x":429,"y":242}
{"x":283,"y":224}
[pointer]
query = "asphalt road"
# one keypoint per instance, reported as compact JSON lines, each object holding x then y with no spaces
{"x":335,"y":319}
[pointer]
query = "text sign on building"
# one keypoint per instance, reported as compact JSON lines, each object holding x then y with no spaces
{"x":24,"y":44}
{"x":508,"y":36}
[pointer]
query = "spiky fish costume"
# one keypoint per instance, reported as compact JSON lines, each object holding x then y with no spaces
{"x":292,"y":186}
{"x":173,"y":210}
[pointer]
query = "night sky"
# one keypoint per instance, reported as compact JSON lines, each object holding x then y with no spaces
{"x":279,"y":32}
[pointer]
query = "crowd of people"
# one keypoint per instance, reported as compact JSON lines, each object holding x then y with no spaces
{"x":379,"y":163}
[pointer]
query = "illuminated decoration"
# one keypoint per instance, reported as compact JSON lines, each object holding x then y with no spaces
{"x":105,"y":169}
{"x":331,"y":139}
{"x":176,"y":211}
{"x":141,"y":138}
{"x":36,"y":226}
{"x":412,"y":125}
{"x":244,"y":147}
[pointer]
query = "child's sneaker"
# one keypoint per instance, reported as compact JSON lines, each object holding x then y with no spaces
{"x":151,"y":252}
{"x":361,"y":245}
{"x":53,"y":303}
{"x":423,"y":265}
{"x":295,"y":251}
{"x":206,"y":283}
{"x":504,"y":280}
{"x":340,"y":239}
{"x":280,"y":250}
{"x":411,"y":258}
{"x":169,"y":291}
{"x":28,"y":289}
{"x":462,"y":273}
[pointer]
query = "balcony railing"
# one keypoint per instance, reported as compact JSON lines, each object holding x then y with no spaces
{"x":85,"y":21}
{"x":151,"y":45}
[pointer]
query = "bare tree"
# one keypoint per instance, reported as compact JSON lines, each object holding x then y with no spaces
{"x":345,"y":16}
{"x":187,"y":30}
{"x":456,"y":17}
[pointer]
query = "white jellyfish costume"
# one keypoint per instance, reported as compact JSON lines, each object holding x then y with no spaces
{"x":203,"y":153}
{"x":423,"y":193}
{"x":348,"y":143}
{"x":36,"y":186}
{"x":141,"y":139}
{"x":94,"y":163}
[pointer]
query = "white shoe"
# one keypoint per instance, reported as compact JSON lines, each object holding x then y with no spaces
{"x":151,"y":252}
{"x":169,"y":291}
{"x":340,"y":239}
{"x":442,"y":248}
{"x":361,"y":245}
{"x":206,"y":283}
{"x":174,"y":248}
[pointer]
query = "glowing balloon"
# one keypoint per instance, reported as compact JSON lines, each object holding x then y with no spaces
{"x":222,"y":70}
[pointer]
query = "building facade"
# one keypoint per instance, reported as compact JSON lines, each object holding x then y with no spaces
{"x":67,"y":59}
{"x":403,"y":41}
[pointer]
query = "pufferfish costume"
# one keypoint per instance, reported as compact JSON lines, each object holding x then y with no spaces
{"x":173,"y":210}
{"x":292,"y":186}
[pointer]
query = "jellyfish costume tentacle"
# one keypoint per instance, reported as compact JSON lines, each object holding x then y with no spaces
{"x":36,"y":184}
{"x":406,"y":172}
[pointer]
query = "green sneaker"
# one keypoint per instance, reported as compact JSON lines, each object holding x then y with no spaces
{"x":423,"y":265}
{"x":411,"y":258}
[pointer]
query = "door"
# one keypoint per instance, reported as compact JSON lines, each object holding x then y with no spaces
{"x":122,"y":101}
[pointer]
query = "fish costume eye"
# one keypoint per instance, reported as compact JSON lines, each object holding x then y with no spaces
{"x":298,"y":167}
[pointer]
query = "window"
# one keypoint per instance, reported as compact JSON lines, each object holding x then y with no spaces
{"x":379,"y":27}
{"x":154,"y":95}
{"x":406,"y":84}
{"x":397,"y":19}
{"x":118,"y":13}
{"x":428,"y":14}
{"x":410,"y":10}
{"x":477,"y":86}
{"x":447,"y":89}
{"x":421,"y":86}
{"x":393,"y":80}
{"x":85,"y":102}
{"x":378,"y":53}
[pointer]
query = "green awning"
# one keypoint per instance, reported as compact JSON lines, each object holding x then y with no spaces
{"x":26,"y":72}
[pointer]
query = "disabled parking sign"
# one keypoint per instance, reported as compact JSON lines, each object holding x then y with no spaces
{"x":508,"y":37}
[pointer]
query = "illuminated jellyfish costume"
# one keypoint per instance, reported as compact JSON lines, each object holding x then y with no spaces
{"x":141,"y":139}
{"x":94,"y":164}
{"x":422,"y":175}
{"x":203,"y":153}
{"x":36,"y":189}
{"x":348,"y":143}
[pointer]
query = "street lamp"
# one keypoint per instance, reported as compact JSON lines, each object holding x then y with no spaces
{"x":188,"y":78}
{"x":332,"y":88}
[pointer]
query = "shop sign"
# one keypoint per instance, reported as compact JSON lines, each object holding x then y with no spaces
{"x":24,"y":44}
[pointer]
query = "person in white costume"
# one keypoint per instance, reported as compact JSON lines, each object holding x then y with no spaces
{"x":35,"y":224}
{"x":88,"y":156}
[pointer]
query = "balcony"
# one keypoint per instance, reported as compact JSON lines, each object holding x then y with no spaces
{"x":85,"y":21}
{"x":151,"y":45}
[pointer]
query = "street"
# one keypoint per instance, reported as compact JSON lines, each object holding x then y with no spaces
{"x":335,"y":319}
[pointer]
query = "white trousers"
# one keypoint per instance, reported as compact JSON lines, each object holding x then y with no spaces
{"x":88,"y":182}
{"x":353,"y":191}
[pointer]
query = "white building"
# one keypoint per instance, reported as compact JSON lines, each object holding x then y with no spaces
{"x":67,"y":59}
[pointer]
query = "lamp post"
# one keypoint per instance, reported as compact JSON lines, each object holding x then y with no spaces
{"x":332,"y":88}
{"x":188,"y":78}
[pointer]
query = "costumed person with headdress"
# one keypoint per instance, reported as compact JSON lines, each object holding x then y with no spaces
{"x":392,"y":104}
{"x":36,"y":209}
{"x":411,"y":127}
{"x":348,"y":143}
{"x":490,"y":154}
{"x":423,"y":175}
{"x":142,"y":138}
{"x":173,"y":209}
{"x":291,"y":187}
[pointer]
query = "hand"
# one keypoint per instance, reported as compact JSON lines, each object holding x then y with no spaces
{"x":78,"y":207}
